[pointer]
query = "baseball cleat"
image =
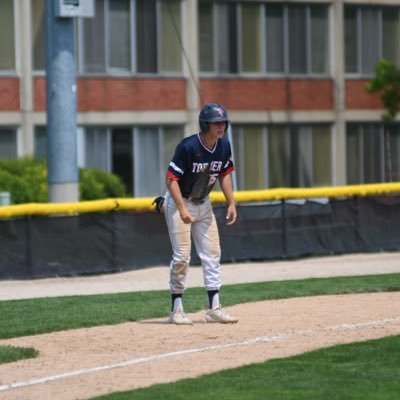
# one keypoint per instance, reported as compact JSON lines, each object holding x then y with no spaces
{"x":178,"y":317}
{"x":218,"y":315}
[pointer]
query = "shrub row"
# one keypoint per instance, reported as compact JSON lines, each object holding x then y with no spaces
{"x":26,"y":180}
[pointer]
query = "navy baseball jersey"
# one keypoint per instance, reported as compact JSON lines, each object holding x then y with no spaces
{"x":196,"y":167}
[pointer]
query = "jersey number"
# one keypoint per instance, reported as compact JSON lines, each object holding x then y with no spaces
{"x":212,"y":179}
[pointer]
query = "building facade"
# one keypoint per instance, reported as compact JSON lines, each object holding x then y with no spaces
{"x":291,"y":74}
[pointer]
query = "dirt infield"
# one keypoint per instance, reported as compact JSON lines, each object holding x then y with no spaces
{"x":82,"y":363}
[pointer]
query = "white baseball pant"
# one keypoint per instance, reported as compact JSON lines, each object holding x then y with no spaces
{"x":204,"y":232}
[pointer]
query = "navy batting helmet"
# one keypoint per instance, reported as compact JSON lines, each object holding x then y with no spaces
{"x":212,"y":112}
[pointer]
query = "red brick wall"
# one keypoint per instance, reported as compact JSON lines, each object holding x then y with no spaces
{"x":39,"y":94}
{"x":9,"y":94}
{"x":269,"y":94}
{"x":101,"y":94}
{"x":358,"y":99}
{"x":122,"y":94}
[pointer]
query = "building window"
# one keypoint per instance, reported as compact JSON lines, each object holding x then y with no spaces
{"x":206,"y":34}
{"x":275,"y":49}
{"x":38,"y":35}
{"x":97,"y":145}
{"x":372,"y":153}
{"x":122,"y":155}
{"x":249,"y":150}
{"x":170,"y":36}
{"x":227,"y":41}
{"x":139,"y":155}
{"x":40,"y":143}
{"x":8,"y":143}
{"x":102,"y":47}
{"x":132,"y":36}
{"x":119,"y":35}
{"x":250,"y":38}
{"x":371,"y":33}
{"x":319,"y":39}
{"x":7,"y":36}
{"x":273,"y":38}
{"x":146,"y":36}
{"x":282,"y":156}
{"x":298,"y":35}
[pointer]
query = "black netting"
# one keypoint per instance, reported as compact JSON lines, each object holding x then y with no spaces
{"x":36,"y":247}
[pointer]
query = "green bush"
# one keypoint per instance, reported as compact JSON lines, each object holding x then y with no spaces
{"x":26,"y":180}
{"x":97,"y":184}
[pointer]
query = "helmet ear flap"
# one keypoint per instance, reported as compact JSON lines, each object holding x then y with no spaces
{"x":204,"y":126}
{"x":226,"y":126}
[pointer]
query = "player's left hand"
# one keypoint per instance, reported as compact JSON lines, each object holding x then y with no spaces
{"x":231,"y":214}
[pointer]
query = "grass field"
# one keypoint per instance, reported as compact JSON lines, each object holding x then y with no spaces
{"x":368,"y":370}
{"x":12,"y":353}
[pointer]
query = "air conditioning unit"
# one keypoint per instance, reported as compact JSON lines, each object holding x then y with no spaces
{"x":74,"y":8}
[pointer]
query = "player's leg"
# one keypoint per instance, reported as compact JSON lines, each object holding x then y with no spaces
{"x":206,"y":239}
{"x":179,"y":234}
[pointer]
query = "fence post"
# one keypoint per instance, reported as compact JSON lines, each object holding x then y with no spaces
{"x":29,"y":256}
{"x":113,"y":243}
{"x":5,"y":198}
{"x":284,"y":229}
{"x":359,"y":229}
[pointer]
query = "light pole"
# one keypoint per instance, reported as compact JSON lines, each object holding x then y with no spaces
{"x":62,"y":168}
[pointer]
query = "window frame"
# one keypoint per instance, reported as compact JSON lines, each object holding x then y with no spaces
{"x":291,"y":132}
{"x":263,"y":42}
{"x":134,"y":131}
{"x":238,"y":149}
{"x":133,"y":69}
{"x":359,"y":10}
{"x":362,"y":129}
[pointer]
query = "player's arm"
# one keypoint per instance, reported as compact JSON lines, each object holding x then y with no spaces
{"x":175,"y":191}
{"x":225,"y":182}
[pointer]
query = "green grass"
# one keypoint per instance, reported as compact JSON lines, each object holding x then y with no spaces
{"x":368,"y":371}
{"x":10,"y":353}
{"x":34,"y":316}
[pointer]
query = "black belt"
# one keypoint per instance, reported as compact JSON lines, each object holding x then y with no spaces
{"x":195,"y":201}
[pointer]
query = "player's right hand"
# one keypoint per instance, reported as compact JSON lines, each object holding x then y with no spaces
{"x":186,"y":217}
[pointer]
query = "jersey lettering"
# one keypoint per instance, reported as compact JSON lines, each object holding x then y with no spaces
{"x":216,"y":166}
{"x":198,"y":167}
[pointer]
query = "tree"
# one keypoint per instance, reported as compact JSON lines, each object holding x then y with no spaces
{"x":387,"y":81}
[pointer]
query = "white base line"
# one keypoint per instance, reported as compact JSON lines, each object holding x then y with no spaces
{"x":140,"y":360}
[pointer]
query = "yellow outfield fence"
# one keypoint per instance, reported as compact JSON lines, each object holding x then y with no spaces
{"x":145,"y":203}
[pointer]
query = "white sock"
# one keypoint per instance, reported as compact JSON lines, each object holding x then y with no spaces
{"x":178,"y":304}
{"x":215,"y":300}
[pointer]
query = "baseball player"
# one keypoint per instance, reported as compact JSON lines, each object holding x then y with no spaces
{"x":199,"y":161}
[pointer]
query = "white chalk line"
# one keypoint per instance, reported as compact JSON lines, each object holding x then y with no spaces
{"x":156,"y":357}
